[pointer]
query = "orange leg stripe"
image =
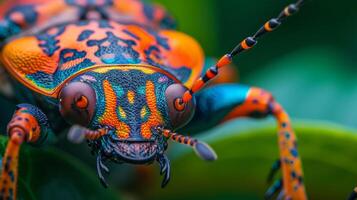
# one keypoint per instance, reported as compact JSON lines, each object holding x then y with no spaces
{"x":244,"y":44}
{"x":267,"y":26}
{"x":210,"y":75}
{"x":225,"y":60}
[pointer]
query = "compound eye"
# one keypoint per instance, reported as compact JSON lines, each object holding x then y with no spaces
{"x":77,"y":103}
{"x":180,"y":113}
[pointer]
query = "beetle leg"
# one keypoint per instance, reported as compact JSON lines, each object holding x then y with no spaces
{"x":165,"y":169}
{"x":28,"y":124}
{"x":225,"y":102}
{"x":104,"y":167}
{"x":101,"y":166}
{"x":276,"y":187}
{"x":274,"y":169}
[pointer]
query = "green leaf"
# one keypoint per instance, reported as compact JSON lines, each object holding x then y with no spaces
{"x":49,"y":173}
{"x":312,"y":83}
{"x":245,"y":158}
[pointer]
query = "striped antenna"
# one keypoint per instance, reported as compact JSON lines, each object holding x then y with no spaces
{"x":246,"y":44}
{"x":202,"y":149}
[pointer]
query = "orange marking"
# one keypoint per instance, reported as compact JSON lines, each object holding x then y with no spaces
{"x":9,"y":172}
{"x":225,"y":60}
{"x":258,"y":100}
{"x":179,"y":55}
{"x":110,"y":115}
{"x":18,"y":18}
{"x":155,"y":118}
{"x":28,"y":123}
{"x":209,"y":74}
{"x":267,"y":26}
{"x":244,"y":44}
{"x":131,"y":96}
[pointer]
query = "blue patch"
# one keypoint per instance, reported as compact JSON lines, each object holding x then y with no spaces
{"x":49,"y":42}
{"x":287,"y":135}
{"x":293,"y":174}
{"x":294,"y":152}
{"x":8,"y":28}
{"x":168,"y":22}
{"x":104,"y":24}
{"x":28,"y":11}
{"x":12,"y":176}
{"x":120,"y":51}
{"x":85,"y":35}
{"x":283,"y":125}
{"x":148,"y":11}
{"x":74,"y":54}
{"x":222,"y":97}
{"x":42,"y":79}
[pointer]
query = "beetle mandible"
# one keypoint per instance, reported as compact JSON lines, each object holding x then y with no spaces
{"x":119,"y":73}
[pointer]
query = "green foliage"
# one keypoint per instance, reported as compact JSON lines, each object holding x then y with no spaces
{"x":48,"y":173}
{"x":312,"y":83}
{"x":245,"y":157}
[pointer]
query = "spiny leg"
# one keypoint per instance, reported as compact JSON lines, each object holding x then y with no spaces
{"x":100,"y":167}
{"x":165,"y":169}
{"x":274,"y":169}
{"x":77,"y":134}
{"x":202,"y":149}
{"x":221,"y":103}
{"x":260,"y":102}
{"x":276,"y":187}
{"x":28,"y":124}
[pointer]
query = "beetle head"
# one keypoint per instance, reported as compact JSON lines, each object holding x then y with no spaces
{"x":130,"y":102}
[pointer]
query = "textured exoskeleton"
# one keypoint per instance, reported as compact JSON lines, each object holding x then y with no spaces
{"x":123,"y":78}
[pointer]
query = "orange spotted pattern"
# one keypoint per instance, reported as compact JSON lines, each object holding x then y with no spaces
{"x":260,"y":101}
{"x":110,"y":117}
{"x":155,"y":118}
{"x":24,"y":56}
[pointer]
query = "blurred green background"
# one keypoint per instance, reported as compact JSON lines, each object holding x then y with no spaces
{"x":308,"y":64}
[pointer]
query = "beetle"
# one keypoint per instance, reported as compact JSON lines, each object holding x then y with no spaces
{"x":121,"y":76}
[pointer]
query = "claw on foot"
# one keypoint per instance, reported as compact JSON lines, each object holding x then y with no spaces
{"x":165,"y":169}
{"x":100,"y":167}
{"x":274,"y":169}
{"x":276,"y":187}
